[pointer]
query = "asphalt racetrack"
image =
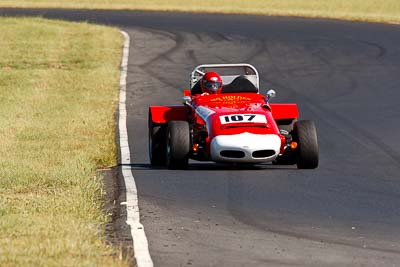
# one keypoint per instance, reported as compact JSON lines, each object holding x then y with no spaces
{"x":344,"y":76}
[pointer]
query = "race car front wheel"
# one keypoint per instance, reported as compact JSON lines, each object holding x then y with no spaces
{"x":177,"y":145}
{"x":305,"y":134}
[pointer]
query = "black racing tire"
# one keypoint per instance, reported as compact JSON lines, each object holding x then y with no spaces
{"x":177,"y":145}
{"x":157,"y":144}
{"x":305,"y":134}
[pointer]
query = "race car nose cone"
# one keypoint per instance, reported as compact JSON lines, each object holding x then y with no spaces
{"x":252,"y":148}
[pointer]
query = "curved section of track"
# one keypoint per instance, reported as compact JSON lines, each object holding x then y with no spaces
{"x":344,"y":76}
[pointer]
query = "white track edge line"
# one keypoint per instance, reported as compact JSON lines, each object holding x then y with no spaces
{"x":140,"y":244}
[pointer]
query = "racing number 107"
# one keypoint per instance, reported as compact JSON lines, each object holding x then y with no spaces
{"x":243,"y":118}
{"x":239,"y":118}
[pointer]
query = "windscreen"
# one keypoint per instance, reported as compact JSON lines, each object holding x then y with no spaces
{"x":227,"y":73}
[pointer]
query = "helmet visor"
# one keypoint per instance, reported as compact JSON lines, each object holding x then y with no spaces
{"x":211,"y":85}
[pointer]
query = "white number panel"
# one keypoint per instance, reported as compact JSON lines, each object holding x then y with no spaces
{"x":243,"y":118}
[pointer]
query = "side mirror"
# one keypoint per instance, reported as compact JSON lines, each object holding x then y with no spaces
{"x":186,"y":99}
{"x":271,"y":93}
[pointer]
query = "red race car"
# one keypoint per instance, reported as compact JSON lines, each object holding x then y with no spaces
{"x":224,"y":118}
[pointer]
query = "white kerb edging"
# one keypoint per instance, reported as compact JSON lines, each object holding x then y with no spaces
{"x":140,"y":244}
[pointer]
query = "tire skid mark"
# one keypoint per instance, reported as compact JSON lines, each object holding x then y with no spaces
{"x":335,"y":119}
{"x":166,"y":55}
{"x":219,"y":37}
{"x":176,"y":37}
{"x":191,"y":55}
{"x":339,"y":120}
{"x":259,"y":49}
{"x":381,"y":50}
{"x":198,"y":37}
{"x":235,"y":212}
{"x":332,"y":70}
{"x":326,"y":66}
{"x":299,"y":235}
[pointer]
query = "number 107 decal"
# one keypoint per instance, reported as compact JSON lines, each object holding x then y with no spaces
{"x":243,"y":118}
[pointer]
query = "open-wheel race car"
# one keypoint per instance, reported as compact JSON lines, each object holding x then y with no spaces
{"x":225,"y":118}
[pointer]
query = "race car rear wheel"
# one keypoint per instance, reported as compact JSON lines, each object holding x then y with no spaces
{"x":157,"y":144}
{"x":177,"y":145}
{"x":305,"y":134}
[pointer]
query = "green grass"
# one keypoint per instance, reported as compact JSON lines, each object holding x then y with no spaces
{"x":364,"y":10}
{"x":58,"y":95}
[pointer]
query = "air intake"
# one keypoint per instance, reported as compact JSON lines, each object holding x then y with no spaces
{"x":263,"y":153}
{"x":232,"y":154}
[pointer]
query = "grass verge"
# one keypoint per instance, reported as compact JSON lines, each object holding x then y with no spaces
{"x":362,"y":10}
{"x":59,"y":89}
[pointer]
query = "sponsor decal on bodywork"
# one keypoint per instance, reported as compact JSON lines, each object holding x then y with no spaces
{"x":230,"y":98}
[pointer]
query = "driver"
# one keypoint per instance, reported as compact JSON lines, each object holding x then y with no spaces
{"x":211,"y":83}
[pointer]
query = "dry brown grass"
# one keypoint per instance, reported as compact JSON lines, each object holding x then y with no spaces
{"x":365,"y":10}
{"x":59,"y":86}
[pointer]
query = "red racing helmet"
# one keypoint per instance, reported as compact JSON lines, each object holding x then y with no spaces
{"x":211,"y":83}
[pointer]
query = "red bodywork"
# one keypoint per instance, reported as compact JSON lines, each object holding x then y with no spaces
{"x":205,"y":114}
